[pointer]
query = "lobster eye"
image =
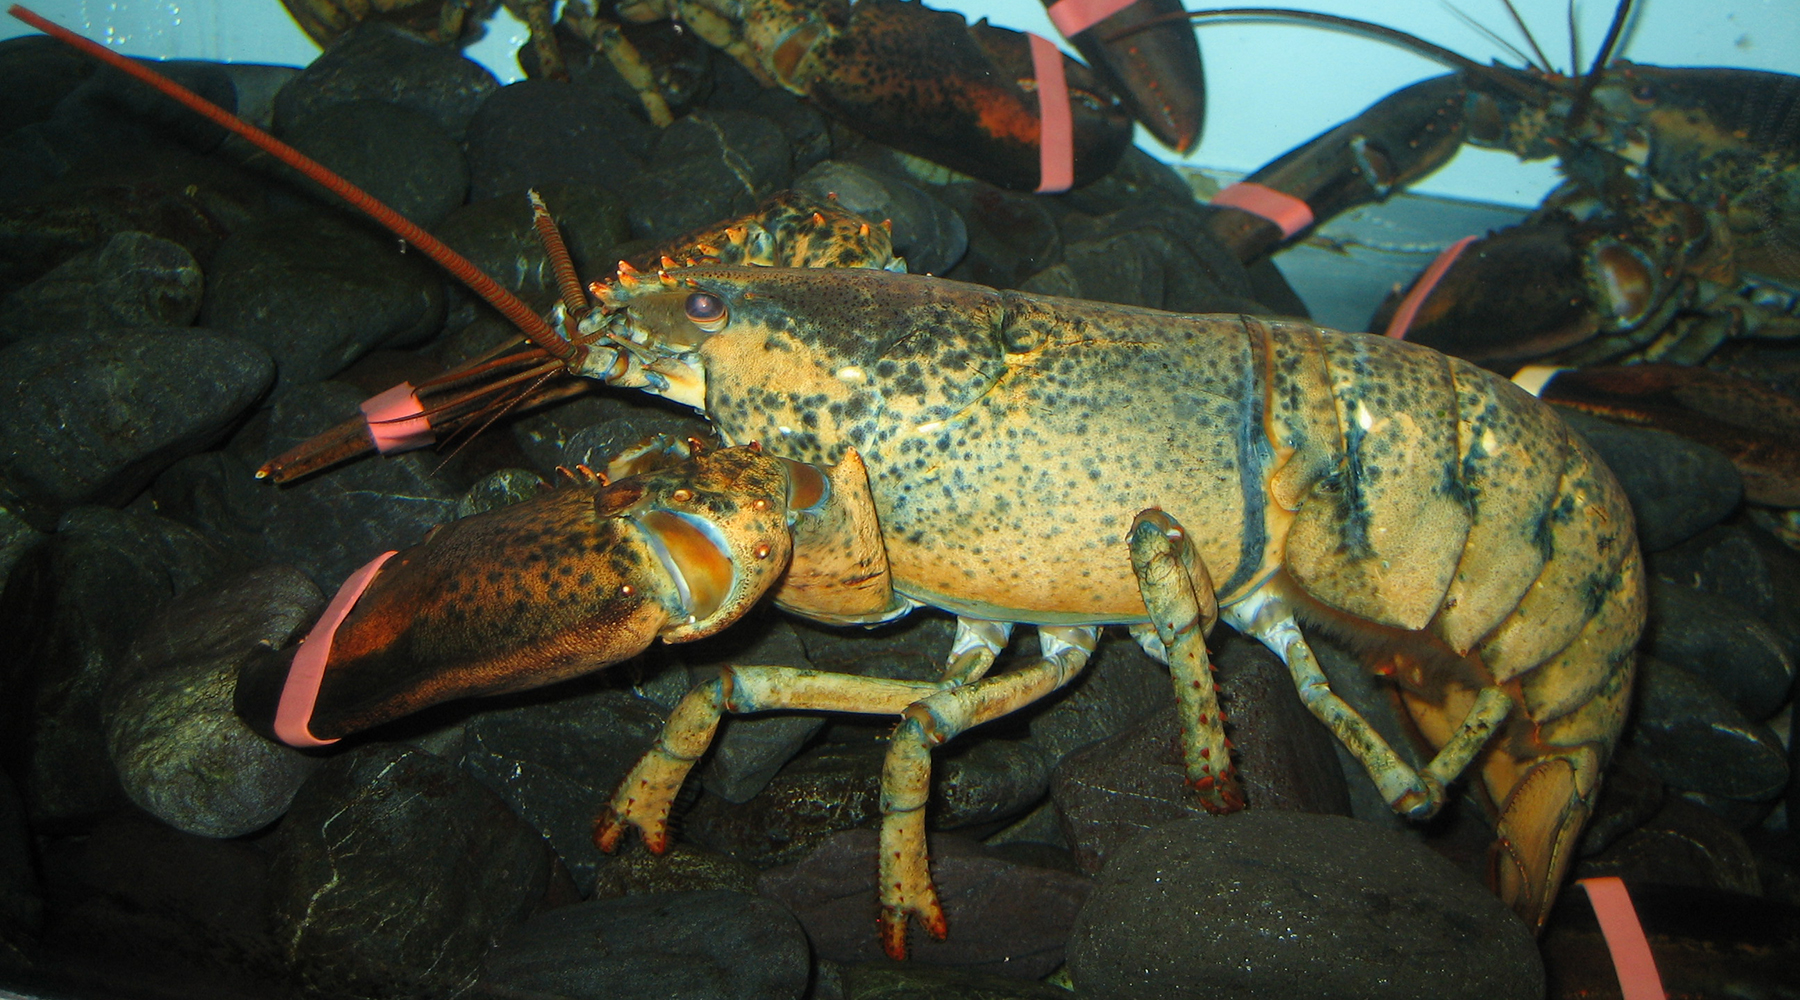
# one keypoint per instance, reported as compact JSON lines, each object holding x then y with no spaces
{"x":707,"y":311}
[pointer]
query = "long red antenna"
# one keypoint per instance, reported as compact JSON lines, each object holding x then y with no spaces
{"x":521,"y":315}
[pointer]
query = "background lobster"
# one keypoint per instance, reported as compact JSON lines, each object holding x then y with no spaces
{"x":1674,"y":223}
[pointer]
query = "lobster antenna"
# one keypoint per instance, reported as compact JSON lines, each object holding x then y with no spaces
{"x":1585,"y":93}
{"x":1432,"y":51}
{"x":1574,"y":40}
{"x":521,"y":315}
{"x":1489,"y":33}
{"x":1519,"y":22}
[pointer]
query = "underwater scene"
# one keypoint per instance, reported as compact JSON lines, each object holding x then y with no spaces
{"x":886,"y":500}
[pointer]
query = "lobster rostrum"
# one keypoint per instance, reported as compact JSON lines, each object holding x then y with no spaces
{"x":985,"y":452}
{"x":1678,"y":226}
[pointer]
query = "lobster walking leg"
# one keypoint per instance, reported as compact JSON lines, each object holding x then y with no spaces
{"x":906,"y":887}
{"x":1178,"y":593}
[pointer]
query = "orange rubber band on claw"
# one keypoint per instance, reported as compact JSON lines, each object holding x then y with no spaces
{"x":1285,"y":210}
{"x":397,"y":420}
{"x":1056,"y":135}
{"x":1072,"y":17}
{"x":1421,"y":290}
{"x":1636,"y":967}
{"x":293,"y":713}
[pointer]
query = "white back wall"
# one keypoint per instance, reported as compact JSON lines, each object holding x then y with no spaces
{"x":1269,"y":87}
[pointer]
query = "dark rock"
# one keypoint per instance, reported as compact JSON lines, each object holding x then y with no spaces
{"x":1631,"y":794}
{"x":707,"y":167}
{"x":747,"y":750}
{"x":21,"y":891}
{"x":1196,"y":273}
{"x":597,"y":429}
{"x":1692,"y":738}
{"x":135,"y":280}
{"x":400,"y":156}
{"x":914,"y":648}
{"x":895,"y":981}
{"x":557,"y":761}
{"x":1289,"y":905}
{"x":377,"y":62}
{"x":396,"y":873}
{"x":182,"y":753}
{"x":1744,"y":565}
{"x":1139,"y":180}
{"x":500,"y":489}
{"x":72,"y":608}
{"x":836,"y":787}
{"x":1677,"y":487}
{"x":540,"y":132}
{"x":1719,"y":642}
{"x":36,"y":72}
{"x":1012,"y":236}
{"x":137,"y":902}
{"x":1682,"y":844}
{"x":1120,"y":686}
{"x":93,"y":417}
{"x":317,"y":293}
{"x":926,"y":232}
{"x":497,"y":236}
{"x":1111,"y":791}
{"x":1004,"y":918}
{"x":329,"y":524}
{"x":37,"y":235}
{"x":682,"y":868}
{"x":1706,"y":943}
{"x":1736,"y":813}
{"x":724,"y":945}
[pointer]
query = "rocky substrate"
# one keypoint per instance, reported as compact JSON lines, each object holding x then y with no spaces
{"x":173,"y":311}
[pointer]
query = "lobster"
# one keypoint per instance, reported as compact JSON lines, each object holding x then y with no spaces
{"x":926,"y":442}
{"x":1677,"y":218}
{"x":970,"y":98}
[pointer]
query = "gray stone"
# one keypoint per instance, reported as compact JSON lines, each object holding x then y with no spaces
{"x":400,"y":156}
{"x":396,"y":874}
{"x":1004,"y":918}
{"x":182,"y":753}
{"x":1744,"y":565}
{"x":539,"y":132}
{"x":1693,"y":738}
{"x":1681,"y":844}
{"x":318,"y":292}
{"x":557,"y":760}
{"x":379,"y":62}
{"x":926,"y":232}
{"x":707,"y":167}
{"x":1716,"y":640}
{"x":1677,"y":487}
{"x":1292,"y":906}
{"x":890,"y":981}
{"x":1120,"y":686}
{"x":92,"y":417}
{"x":134,"y":280}
{"x":21,"y":891}
{"x":749,"y":749}
{"x":722,"y":945}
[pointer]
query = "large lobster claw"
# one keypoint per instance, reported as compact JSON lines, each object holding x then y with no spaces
{"x":961,"y":95}
{"x":564,"y":584}
{"x":1154,"y":68}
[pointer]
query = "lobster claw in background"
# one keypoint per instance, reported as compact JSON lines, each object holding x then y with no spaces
{"x":564,"y":584}
{"x":925,"y":82}
{"x":1155,"y":71}
{"x":1757,"y":427}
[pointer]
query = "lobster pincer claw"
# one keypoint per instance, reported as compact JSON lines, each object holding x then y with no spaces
{"x":578,"y":579}
{"x":1153,"y":67}
{"x":965,"y":96}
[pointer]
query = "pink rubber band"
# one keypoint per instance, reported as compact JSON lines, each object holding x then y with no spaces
{"x":1072,"y":17}
{"x":1285,"y":210}
{"x":397,"y":420}
{"x":301,"y":692}
{"x":1638,"y":978}
{"x":1056,"y":136}
{"x":1421,"y":290}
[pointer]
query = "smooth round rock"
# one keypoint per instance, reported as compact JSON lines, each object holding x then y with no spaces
{"x":1677,"y":487}
{"x":396,"y":874}
{"x":92,"y":417}
{"x":378,"y":62}
{"x":927,"y":232}
{"x":1716,"y":640}
{"x":720,"y":945}
{"x":182,"y":753}
{"x":1292,"y":906}
{"x":1692,"y":737}
{"x":400,"y":156}
{"x":538,"y":132}
{"x":134,"y":280}
{"x":707,"y":167}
